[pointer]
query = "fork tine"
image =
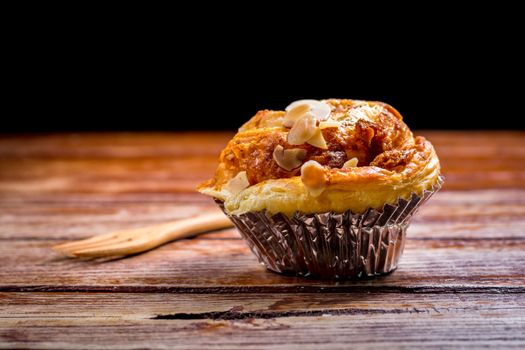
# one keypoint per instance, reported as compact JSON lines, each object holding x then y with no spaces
{"x":69,"y":250}
{"x":122,"y":248}
{"x":94,"y":239}
{"x":105,"y":238}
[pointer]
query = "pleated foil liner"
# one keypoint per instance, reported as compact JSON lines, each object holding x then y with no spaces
{"x":331,"y":245}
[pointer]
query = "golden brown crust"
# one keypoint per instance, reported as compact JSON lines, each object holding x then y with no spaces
{"x":373,"y":132}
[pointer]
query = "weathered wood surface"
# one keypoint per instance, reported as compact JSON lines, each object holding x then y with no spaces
{"x":253,"y":321}
{"x":461,"y":281}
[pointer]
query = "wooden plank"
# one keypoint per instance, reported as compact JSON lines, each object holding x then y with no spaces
{"x":175,"y":163}
{"x":103,"y":175}
{"x":113,"y":145}
{"x":254,"y":321}
{"x":489,"y":214}
{"x":460,"y":283}
{"x":130,"y":145}
{"x":73,"y":221}
{"x":466,"y":138}
{"x":66,"y":228}
{"x":226,"y":266}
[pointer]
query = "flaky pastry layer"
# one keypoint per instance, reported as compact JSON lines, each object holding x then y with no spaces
{"x":392,"y":163}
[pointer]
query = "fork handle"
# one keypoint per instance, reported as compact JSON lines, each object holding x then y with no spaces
{"x":192,"y":226}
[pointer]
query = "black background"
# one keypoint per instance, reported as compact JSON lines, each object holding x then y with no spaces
{"x":447,"y":75}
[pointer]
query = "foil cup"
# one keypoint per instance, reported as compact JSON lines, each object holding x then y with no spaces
{"x":331,"y":245}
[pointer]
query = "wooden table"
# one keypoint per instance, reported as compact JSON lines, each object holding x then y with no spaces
{"x":461,"y":281}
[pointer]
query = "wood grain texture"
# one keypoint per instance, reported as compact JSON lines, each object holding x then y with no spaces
{"x":461,"y":281}
{"x":252,"y":321}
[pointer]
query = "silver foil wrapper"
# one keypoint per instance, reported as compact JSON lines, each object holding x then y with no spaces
{"x":331,"y":245}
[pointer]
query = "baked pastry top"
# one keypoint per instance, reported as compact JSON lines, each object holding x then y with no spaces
{"x":319,"y":156}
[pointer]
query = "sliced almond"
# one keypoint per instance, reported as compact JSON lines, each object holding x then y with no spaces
{"x":320,"y":110}
{"x":238,"y":183}
{"x":317,"y":140}
{"x":288,"y":159}
{"x":295,"y":113}
{"x":351,"y":163}
{"x":313,"y":177}
{"x":329,"y":124}
{"x":303,"y":130}
{"x":299,"y":102}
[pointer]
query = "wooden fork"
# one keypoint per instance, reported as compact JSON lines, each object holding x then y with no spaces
{"x":127,"y":242}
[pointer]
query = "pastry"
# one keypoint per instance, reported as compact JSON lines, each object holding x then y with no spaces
{"x":325,"y":188}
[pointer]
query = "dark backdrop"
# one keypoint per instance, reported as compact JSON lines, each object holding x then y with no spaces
{"x":124,"y":96}
{"x":63,"y":80}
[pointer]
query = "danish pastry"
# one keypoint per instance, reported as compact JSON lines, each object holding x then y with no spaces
{"x":325,"y":188}
{"x":320,"y":156}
